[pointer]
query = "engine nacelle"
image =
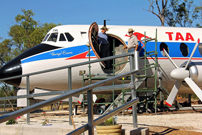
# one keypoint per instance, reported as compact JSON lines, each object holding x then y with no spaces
{"x":193,"y":70}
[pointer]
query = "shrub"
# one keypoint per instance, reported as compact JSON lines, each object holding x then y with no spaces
{"x":109,"y":122}
{"x":12,"y":121}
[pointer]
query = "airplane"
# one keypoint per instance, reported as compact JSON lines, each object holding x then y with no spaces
{"x":68,"y":44}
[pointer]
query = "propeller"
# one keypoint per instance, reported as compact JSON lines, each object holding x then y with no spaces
{"x":182,"y":74}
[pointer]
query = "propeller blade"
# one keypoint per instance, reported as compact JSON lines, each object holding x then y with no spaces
{"x":170,"y":58}
{"x":192,"y":53}
{"x":194,"y":87}
{"x":173,"y":93}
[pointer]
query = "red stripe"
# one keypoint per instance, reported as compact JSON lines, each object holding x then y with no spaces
{"x":80,"y":56}
{"x":79,"y":102}
{"x":168,"y":104}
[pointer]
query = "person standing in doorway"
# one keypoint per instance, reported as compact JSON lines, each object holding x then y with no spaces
{"x":132,"y":41}
{"x":104,"y":45}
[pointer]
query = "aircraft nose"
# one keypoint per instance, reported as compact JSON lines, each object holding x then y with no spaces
{"x":11,"y":69}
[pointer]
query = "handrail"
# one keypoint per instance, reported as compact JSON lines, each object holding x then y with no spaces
{"x":61,"y":97}
{"x":70,"y":66}
{"x":71,"y":93}
{"x":105,"y":116}
{"x":108,"y":88}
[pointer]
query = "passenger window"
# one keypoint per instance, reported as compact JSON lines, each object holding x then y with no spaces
{"x":45,"y":38}
{"x":53,"y":37}
{"x":164,"y":46}
{"x":62,"y":37}
{"x":184,"y":49}
{"x":69,"y":37}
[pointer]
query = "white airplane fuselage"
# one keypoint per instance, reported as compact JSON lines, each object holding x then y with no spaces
{"x":64,"y":49}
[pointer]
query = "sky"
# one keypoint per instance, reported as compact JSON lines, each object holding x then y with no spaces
{"x":117,"y":12}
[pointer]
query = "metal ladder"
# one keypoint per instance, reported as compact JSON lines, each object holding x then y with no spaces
{"x":117,"y":101}
{"x":124,"y":96}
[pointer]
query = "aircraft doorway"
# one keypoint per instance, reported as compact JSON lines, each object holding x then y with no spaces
{"x":119,"y":43}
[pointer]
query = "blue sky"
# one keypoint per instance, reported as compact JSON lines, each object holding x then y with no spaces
{"x":119,"y":12}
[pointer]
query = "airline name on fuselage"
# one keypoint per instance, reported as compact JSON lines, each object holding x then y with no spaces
{"x":178,"y":36}
{"x":61,"y":53}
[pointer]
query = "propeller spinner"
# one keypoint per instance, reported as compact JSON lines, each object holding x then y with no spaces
{"x":183,"y":74}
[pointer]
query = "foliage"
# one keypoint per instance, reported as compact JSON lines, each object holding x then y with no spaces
{"x":198,"y":11}
{"x":181,"y":13}
{"x":25,"y":34}
{"x":109,"y":122}
{"x":5,"y":51}
{"x":12,"y":121}
{"x":45,"y":122}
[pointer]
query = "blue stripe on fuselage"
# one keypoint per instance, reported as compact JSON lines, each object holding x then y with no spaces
{"x":59,"y":53}
{"x":174,"y":51}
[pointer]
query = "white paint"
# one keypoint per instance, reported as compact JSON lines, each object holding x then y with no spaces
{"x":21,"y":102}
{"x":49,"y":80}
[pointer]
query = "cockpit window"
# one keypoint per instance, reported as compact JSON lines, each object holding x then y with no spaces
{"x":69,"y":37}
{"x":62,"y":37}
{"x":53,"y":37}
{"x":45,"y":38}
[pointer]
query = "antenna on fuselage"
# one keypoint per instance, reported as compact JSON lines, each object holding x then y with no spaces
{"x":105,"y":22}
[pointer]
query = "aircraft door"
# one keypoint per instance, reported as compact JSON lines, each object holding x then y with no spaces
{"x":93,"y":40}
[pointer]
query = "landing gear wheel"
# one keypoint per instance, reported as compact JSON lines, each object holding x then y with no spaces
{"x":99,"y":111}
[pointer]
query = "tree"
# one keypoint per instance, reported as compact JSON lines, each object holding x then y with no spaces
{"x":160,"y":10}
{"x":181,"y":14}
{"x":25,"y":34}
{"x":198,"y":11}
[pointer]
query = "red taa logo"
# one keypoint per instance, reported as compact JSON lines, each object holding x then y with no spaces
{"x":138,"y":35}
{"x":178,"y":36}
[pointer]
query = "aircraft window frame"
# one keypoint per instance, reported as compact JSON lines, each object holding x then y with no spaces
{"x":69,"y":37}
{"x":184,"y":49}
{"x":46,"y":37}
{"x":164,"y":46}
{"x":200,"y":48}
{"x":64,"y":39}
{"x":52,"y":38}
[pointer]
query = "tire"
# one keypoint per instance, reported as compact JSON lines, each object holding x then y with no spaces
{"x":99,"y":111}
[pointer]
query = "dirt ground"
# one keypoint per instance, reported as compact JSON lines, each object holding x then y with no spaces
{"x":162,"y":123}
{"x":180,"y":123}
{"x":158,"y":130}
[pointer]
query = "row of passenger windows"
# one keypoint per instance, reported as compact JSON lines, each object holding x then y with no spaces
{"x":53,"y":37}
{"x":183,"y":48}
